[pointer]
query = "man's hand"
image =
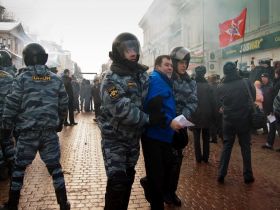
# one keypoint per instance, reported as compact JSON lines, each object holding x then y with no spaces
{"x":155,"y":104}
{"x":175,"y":125}
{"x":221,"y":110}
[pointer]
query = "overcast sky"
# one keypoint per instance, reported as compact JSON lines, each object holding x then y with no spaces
{"x":84,"y":27}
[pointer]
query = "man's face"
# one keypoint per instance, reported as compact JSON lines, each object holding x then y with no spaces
{"x":166,"y":67}
{"x":182,"y":67}
{"x":130,"y":55}
{"x":264,"y":80}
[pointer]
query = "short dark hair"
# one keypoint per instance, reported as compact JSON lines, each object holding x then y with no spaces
{"x":66,"y":71}
{"x":159,"y":59}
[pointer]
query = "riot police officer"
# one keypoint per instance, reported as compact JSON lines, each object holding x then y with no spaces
{"x":7,"y":75}
{"x":123,"y":90}
{"x":36,"y":108}
{"x":185,"y":94}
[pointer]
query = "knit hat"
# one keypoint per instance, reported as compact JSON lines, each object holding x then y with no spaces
{"x":265,"y":75}
{"x":229,"y":68}
{"x":200,"y":70}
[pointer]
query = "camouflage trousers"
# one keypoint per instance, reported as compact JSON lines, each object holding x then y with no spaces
{"x":47,"y":144}
{"x":7,"y":150}
{"x":120,"y":154}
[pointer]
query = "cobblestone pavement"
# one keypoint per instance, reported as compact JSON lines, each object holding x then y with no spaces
{"x":86,"y":180}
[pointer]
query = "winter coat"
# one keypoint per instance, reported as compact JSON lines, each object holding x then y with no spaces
{"x":205,"y":112}
{"x":235,"y":101}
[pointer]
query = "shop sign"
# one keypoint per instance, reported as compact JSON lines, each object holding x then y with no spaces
{"x":262,"y":43}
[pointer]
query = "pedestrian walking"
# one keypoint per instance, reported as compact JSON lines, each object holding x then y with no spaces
{"x":67,"y":81}
{"x":204,"y":115}
{"x":235,"y":101}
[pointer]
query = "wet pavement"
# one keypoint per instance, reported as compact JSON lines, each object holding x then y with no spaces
{"x":86,"y":180}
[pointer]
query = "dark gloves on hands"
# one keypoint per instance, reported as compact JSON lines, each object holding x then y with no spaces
{"x":180,"y":139}
{"x":158,"y":118}
{"x":5,"y":133}
{"x":155,"y":104}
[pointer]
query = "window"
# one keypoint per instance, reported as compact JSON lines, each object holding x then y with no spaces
{"x":264,"y":12}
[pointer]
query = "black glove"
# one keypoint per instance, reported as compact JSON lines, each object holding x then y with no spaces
{"x":180,"y":139}
{"x":155,"y":104}
{"x":5,"y":133}
{"x":157,"y":118}
{"x":59,"y":127}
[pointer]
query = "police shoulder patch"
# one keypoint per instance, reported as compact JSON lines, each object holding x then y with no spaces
{"x":3,"y":74}
{"x":131,"y":84}
{"x":113,"y":92}
{"x":42,"y":78}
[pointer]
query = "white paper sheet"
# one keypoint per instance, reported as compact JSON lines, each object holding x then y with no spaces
{"x":271,"y":118}
{"x":183,"y":121}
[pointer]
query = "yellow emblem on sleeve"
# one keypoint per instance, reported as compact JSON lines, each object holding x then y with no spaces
{"x":113,"y":92}
{"x":42,"y":78}
{"x":3,"y":74}
{"x":131,"y":84}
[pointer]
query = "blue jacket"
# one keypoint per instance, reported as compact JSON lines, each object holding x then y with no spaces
{"x":160,"y":85}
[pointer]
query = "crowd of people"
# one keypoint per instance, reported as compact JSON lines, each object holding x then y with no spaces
{"x":132,"y":109}
{"x":137,"y":107}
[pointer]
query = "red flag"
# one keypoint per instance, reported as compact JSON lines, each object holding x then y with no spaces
{"x":232,"y":29}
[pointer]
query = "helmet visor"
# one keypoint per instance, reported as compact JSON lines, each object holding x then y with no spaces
{"x":181,"y":53}
{"x":129,"y":46}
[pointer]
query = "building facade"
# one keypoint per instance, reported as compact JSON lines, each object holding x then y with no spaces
{"x":13,"y":38}
{"x":194,"y":24}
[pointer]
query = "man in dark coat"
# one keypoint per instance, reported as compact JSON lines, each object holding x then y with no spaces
{"x":216,"y":126}
{"x":69,"y":89}
{"x":95,"y":92}
{"x":76,"y":93}
{"x":235,"y":101}
{"x":203,"y":116}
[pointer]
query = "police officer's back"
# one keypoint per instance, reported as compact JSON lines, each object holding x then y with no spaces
{"x":7,"y":75}
{"x":36,"y":108}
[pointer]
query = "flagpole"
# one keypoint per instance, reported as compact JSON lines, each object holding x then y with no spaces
{"x":203,"y":31}
{"x":243,"y":38}
{"x":242,"y":50}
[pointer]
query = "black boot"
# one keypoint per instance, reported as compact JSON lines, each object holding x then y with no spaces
{"x":62,"y":199}
{"x":176,"y":200}
{"x":147,"y":192}
{"x":4,"y":173}
{"x":117,"y":192}
{"x":130,"y":179}
{"x":12,"y":204}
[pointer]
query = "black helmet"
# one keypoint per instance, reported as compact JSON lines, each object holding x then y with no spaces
{"x":179,"y":54}
{"x":34,"y":54}
{"x":122,"y":43}
{"x":5,"y":58}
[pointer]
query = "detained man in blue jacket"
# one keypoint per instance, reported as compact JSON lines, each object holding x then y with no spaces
{"x":157,"y":139}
